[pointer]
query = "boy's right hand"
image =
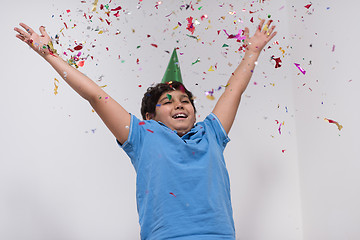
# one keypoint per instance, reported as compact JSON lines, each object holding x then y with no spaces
{"x":39,"y":43}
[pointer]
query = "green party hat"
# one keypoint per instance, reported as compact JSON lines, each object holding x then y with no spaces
{"x":172,"y":72}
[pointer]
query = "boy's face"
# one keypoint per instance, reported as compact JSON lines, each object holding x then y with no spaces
{"x":175,"y":110}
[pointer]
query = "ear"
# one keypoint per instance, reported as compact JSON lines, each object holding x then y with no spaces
{"x":149,"y":116}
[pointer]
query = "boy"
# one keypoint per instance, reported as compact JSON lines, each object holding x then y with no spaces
{"x":183,"y":189}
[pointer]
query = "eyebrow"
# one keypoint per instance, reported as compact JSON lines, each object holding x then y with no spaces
{"x":181,"y":96}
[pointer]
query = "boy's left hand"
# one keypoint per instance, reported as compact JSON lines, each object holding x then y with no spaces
{"x":261,"y":37}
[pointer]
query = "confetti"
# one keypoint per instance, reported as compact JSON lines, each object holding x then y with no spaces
{"x":169,"y":96}
{"x":94,"y":6}
{"x":81,"y":63}
{"x":190,"y":25}
{"x":197,"y":60}
{"x":277,"y":60}
{"x":332,"y":121}
{"x":238,"y":36}
{"x":172,"y":194}
{"x":308,"y":6}
{"x":300,"y":68}
{"x":56,"y":86}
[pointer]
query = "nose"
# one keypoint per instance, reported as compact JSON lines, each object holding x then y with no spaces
{"x":179,"y":105}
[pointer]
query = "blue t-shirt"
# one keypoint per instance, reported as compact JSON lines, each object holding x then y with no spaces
{"x":182,"y":185}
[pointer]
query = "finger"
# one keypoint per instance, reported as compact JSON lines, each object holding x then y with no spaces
{"x":43,"y":31}
{"x":269,"y":23}
{"x":246,"y":32}
{"x":22,"y":33}
{"x":271,"y":30}
{"x":260,"y":26}
{"x":271,"y":36}
{"x":21,"y":37}
{"x":27,"y":28}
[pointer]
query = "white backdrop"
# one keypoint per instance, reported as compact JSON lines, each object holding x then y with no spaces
{"x":62,"y":175}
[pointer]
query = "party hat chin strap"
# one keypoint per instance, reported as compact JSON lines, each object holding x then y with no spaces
{"x":173,"y":73}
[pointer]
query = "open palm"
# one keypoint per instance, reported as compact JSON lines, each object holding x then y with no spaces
{"x":39,"y":43}
{"x":262,"y":36}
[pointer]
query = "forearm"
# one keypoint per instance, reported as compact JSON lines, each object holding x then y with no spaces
{"x":83,"y":85}
{"x":240,"y":78}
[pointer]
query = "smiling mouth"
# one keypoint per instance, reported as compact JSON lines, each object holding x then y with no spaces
{"x":180,"y":116}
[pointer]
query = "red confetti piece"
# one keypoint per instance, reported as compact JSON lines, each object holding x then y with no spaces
{"x":78,"y":47}
{"x":116,"y":9}
{"x":308,"y":6}
{"x":335,"y":122}
{"x":68,"y":11}
{"x":277,"y":60}
{"x":190,"y":25}
{"x":252,"y":20}
{"x":172,"y":194}
{"x":141,"y":123}
{"x":150,"y":130}
{"x":154,"y":45}
{"x":65,"y":25}
{"x":81,"y":63}
{"x":283,"y":150}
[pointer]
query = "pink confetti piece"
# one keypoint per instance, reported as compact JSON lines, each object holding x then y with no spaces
{"x":300,"y":68}
{"x":238,"y":36}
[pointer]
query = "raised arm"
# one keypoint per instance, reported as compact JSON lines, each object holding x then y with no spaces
{"x":115,"y":117}
{"x":227,"y":105}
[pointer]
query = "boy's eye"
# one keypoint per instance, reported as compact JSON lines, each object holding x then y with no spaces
{"x":185,"y":101}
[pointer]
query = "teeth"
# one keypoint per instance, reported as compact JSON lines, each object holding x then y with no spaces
{"x":179,"y":115}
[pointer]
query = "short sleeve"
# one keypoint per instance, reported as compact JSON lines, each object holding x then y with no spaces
{"x":133,"y":144}
{"x":213,"y":122}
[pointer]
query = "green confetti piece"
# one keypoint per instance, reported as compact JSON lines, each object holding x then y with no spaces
{"x":200,"y":8}
{"x":169,"y":96}
{"x":225,"y":45}
{"x":269,"y":16}
{"x":197,"y":60}
{"x":191,"y":36}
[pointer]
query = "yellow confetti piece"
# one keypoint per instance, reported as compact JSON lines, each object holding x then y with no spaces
{"x":176,"y":27}
{"x":103,"y":86}
{"x":266,"y":28}
{"x":94,"y":6}
{"x":56,"y":86}
{"x":211,"y":97}
{"x":101,"y":32}
{"x":211,"y":69}
{"x":282,"y":50}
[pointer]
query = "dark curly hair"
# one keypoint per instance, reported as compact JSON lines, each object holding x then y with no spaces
{"x":152,"y":95}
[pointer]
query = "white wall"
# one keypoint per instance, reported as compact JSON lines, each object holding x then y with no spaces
{"x":61,"y":180}
{"x":328,"y":158}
